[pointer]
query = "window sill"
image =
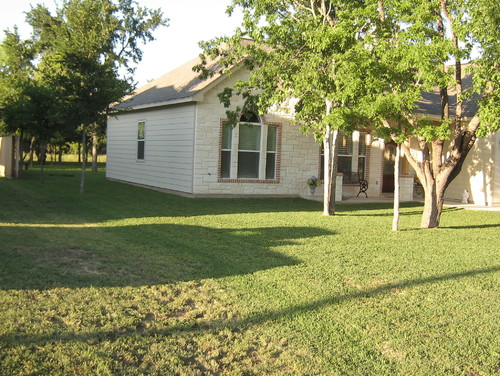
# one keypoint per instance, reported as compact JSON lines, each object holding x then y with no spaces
{"x":270,"y":181}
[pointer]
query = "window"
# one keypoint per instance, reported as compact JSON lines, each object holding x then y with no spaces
{"x":351,"y":161}
{"x":141,"y":129}
{"x":249,"y":150}
{"x":272,"y":148}
{"x":227,"y":141}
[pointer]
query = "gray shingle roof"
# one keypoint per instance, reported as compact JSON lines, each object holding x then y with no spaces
{"x":182,"y":83}
{"x":176,"y":86}
{"x":430,"y":104}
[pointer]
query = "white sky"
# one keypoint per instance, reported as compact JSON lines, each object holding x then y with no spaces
{"x":190,"y":22}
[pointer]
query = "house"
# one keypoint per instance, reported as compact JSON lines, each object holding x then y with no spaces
{"x":9,"y":145}
{"x":172,"y":134}
{"x":174,"y":137}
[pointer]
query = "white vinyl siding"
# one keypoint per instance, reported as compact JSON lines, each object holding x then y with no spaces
{"x":169,"y":136}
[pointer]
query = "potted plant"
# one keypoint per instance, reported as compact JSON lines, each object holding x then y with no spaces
{"x":313,"y":182}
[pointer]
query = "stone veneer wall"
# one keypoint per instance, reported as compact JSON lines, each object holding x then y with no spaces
{"x":478,"y":173}
{"x":406,"y":188}
{"x":299,"y":153}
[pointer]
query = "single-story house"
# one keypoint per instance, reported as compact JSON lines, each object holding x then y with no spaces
{"x":172,"y":134}
{"x":9,"y":145}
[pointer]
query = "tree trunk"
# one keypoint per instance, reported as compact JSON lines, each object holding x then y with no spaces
{"x":333,"y":168}
{"x":395,"y":220}
{"x":94,"y":153}
{"x":327,"y":180}
{"x":433,"y":205}
{"x":330,"y":169}
{"x":84,"y":160}
{"x":79,"y":152}
{"x":43,"y":149}
{"x":330,"y":165}
{"x":19,"y":155}
{"x":32,"y":151}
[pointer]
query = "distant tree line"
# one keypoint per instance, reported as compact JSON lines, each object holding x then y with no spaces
{"x":57,"y":86}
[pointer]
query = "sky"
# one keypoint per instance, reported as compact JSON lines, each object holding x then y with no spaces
{"x":191,"y":21}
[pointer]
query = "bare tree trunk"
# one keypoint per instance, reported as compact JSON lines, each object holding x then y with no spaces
{"x":19,"y":155}
{"x":94,"y":153}
{"x":327,"y":175}
{"x":84,"y":160}
{"x":432,"y":213}
{"x":79,"y":152}
{"x":330,"y":169}
{"x":60,"y":154}
{"x":333,"y":168}
{"x":32,"y":151}
{"x":395,"y":220}
{"x":330,"y":166}
{"x":43,"y":149}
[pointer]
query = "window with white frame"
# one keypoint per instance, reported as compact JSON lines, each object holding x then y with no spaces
{"x":249,"y":150}
{"x":141,"y":130}
{"x":351,"y":160}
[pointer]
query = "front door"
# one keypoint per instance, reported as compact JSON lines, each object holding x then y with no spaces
{"x":389,"y":162}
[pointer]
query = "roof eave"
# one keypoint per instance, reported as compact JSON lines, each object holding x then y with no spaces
{"x":158,"y":104}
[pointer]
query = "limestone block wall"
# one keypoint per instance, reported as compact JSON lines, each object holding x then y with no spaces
{"x":478,"y":173}
{"x":375,"y":166}
{"x":406,"y":188}
{"x":299,"y":153}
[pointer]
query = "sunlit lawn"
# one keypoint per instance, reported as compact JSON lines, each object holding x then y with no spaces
{"x":129,"y":281}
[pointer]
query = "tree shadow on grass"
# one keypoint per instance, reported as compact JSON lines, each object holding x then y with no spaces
{"x":240,"y":323}
{"x":470,"y":226}
{"x":140,"y":255}
{"x":109,"y":200}
{"x":368,"y":209}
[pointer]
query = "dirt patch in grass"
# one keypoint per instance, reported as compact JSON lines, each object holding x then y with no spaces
{"x":74,"y":261}
{"x":188,"y":328}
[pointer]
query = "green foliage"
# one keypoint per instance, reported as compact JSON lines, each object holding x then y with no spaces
{"x":84,"y":45}
{"x":73,"y":56}
{"x":132,"y":281}
{"x":296,"y":53}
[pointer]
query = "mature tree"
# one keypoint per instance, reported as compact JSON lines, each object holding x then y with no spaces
{"x":310,"y":53}
{"x":15,"y":68}
{"x":357,"y":62}
{"x":83,"y":46}
{"x":28,"y":104}
{"x":83,"y":56}
{"x":421,"y":38}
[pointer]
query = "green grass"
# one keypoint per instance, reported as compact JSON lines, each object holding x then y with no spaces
{"x":128,"y":281}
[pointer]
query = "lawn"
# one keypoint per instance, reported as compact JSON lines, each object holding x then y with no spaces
{"x":130,"y":281}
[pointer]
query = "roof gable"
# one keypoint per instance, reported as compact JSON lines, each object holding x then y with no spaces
{"x":177,"y":86}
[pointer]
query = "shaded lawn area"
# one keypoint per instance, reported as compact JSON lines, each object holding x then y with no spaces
{"x":128,"y":281}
